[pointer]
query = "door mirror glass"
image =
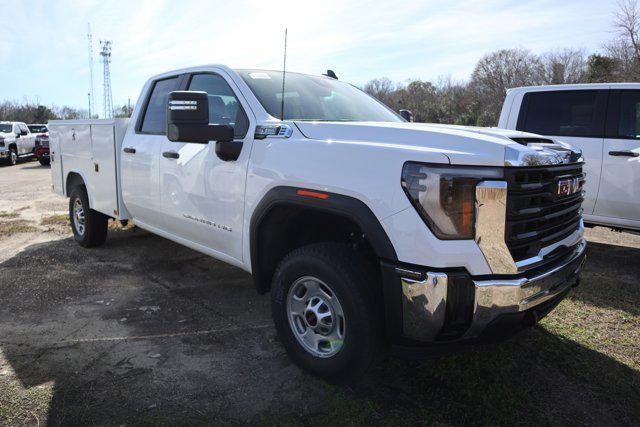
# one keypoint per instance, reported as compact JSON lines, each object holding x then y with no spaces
{"x":407,"y":115}
{"x":188,"y":119}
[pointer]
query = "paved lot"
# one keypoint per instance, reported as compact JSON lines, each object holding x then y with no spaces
{"x":142,"y":330}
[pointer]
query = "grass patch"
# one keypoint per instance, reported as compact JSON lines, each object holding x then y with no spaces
{"x":56,"y":219}
{"x":8,"y":215}
{"x":9,"y":228}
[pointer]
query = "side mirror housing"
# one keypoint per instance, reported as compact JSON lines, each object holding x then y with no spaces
{"x":407,"y":115}
{"x":188,"y":119}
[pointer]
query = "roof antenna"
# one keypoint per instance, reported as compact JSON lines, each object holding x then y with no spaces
{"x":284,"y":68}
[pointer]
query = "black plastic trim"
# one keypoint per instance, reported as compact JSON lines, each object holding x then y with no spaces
{"x":337,"y":204}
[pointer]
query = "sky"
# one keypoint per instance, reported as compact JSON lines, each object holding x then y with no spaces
{"x":44,"y":49}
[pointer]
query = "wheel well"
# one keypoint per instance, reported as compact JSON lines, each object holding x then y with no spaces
{"x":74,"y":179}
{"x":13,"y":145}
{"x":286,"y":227}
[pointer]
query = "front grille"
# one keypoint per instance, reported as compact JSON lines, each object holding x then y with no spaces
{"x":536,"y":215}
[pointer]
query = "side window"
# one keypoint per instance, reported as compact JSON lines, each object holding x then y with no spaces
{"x":629,"y":117}
{"x":563,"y":113}
{"x":155,"y":116}
{"x":23,"y":129}
{"x":224,"y":107}
{"x":16,"y":129}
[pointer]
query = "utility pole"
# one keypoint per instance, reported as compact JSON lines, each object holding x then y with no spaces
{"x":105,"y":52}
{"x":92,"y":95}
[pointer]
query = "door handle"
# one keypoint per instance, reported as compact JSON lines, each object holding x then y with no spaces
{"x":129,"y":150}
{"x":170,"y":155}
{"x":625,"y":153}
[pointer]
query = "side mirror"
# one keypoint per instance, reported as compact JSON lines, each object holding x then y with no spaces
{"x":188,"y":119}
{"x":407,"y":115}
{"x":18,"y":134}
{"x":24,"y":132}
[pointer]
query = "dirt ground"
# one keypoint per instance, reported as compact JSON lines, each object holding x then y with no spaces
{"x":144,"y":331}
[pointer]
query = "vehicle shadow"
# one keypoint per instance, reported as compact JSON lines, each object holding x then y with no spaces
{"x":37,"y":166}
{"x":143,"y":330}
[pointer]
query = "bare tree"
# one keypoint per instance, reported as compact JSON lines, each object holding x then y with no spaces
{"x":499,"y":71}
{"x":564,"y":66}
{"x":625,"y":49}
{"x":382,"y":89}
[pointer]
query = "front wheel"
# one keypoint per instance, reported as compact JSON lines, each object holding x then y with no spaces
{"x":13,"y":157}
{"x":89,"y":226}
{"x":324,"y":309}
{"x":44,"y":162}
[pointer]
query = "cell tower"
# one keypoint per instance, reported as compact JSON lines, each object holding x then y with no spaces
{"x":92,"y":95}
{"x":105,"y":52}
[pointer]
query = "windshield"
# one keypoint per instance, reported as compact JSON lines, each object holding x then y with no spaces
{"x":6,"y":128}
{"x":314,"y":98}
{"x":37,"y":128}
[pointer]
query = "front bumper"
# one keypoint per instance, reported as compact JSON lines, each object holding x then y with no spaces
{"x":5,"y":154}
{"x":439,"y":307}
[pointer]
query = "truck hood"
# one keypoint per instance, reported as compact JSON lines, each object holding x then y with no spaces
{"x":463,"y":145}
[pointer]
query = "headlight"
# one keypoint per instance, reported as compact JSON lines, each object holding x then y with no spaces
{"x":444,"y":196}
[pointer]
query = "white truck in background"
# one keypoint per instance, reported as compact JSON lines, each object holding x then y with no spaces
{"x":16,"y":142}
{"x":371,"y":233}
{"x":603,"y":120}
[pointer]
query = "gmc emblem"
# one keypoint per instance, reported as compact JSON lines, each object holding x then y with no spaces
{"x":569,"y":186}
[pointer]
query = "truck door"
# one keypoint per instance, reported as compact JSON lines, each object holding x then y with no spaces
{"x":203,"y":196}
{"x":140,"y":154}
{"x":575,"y":117}
{"x":619,"y":195}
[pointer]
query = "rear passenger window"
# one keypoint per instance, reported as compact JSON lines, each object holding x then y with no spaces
{"x":566,"y":113}
{"x":155,"y":116}
{"x":224,"y":107}
{"x":629,"y":123}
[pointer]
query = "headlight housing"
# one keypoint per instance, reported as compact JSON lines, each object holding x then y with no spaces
{"x":444,"y":196}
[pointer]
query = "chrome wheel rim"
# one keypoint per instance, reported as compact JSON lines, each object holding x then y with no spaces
{"x":78,"y":216}
{"x":316,"y":317}
{"x":14,"y":157}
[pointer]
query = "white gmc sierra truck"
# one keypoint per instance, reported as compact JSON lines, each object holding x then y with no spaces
{"x":371,"y":233}
{"x":16,"y":141}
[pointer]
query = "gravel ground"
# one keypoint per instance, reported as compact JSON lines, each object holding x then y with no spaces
{"x":144,"y":331}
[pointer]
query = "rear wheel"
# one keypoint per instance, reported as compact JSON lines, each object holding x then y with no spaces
{"x":89,"y":226}
{"x":324,"y":308}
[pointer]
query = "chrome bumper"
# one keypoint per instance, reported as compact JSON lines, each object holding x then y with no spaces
{"x":424,"y":300}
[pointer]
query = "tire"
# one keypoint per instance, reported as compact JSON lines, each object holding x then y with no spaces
{"x":13,"y":158}
{"x":355,"y":340}
{"x":89,"y":226}
{"x":44,"y":162}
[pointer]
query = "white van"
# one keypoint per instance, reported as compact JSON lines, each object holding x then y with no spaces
{"x":603,"y":120}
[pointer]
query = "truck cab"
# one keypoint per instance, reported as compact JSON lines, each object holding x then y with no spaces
{"x":16,"y":142}
{"x":370,"y":233}
{"x":603,"y":121}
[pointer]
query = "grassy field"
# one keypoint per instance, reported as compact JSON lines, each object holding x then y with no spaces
{"x":579,"y":366}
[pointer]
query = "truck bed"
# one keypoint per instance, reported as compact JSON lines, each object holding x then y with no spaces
{"x":91,"y":149}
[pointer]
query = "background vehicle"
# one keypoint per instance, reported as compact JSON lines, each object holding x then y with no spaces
{"x":16,"y":141}
{"x":603,"y":120}
{"x":368,"y":231}
{"x":42,"y":142}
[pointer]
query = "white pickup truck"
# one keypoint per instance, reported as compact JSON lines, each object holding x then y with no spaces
{"x":371,"y":233}
{"x":602,"y":120}
{"x":16,"y":141}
